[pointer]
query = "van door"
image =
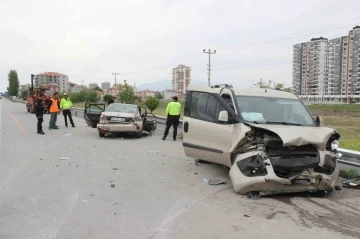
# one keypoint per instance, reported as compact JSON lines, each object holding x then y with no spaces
{"x":204,"y":136}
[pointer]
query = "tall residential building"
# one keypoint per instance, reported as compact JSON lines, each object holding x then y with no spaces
{"x":328,"y":67}
{"x":52,"y":79}
{"x":93,"y":85}
{"x":309,"y":67}
{"x":352,"y":80}
{"x":181,"y":78}
{"x":105,"y":85}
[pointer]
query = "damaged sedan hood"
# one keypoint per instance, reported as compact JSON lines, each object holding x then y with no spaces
{"x":299,"y":135}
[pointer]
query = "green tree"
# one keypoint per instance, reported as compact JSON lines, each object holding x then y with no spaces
{"x":152,"y":103}
{"x":98,"y":88}
{"x":288,"y":89}
{"x":92,"y":96}
{"x":127,"y":95}
{"x":158,"y":95}
{"x":261,"y":84}
{"x":279,"y":85}
{"x":13,"y":88}
{"x":23,"y":94}
{"x":106,"y":98}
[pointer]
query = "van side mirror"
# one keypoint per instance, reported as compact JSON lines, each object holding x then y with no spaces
{"x":319,"y":121}
{"x":223,"y":116}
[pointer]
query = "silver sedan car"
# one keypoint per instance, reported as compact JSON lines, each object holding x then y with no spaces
{"x":121,"y":118}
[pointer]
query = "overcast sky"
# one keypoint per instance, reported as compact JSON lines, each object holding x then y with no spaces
{"x":144,"y":39}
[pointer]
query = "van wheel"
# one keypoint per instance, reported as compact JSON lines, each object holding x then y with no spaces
{"x":101,"y":134}
{"x":138,"y":135}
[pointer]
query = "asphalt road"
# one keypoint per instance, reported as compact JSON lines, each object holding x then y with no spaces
{"x":158,"y":193}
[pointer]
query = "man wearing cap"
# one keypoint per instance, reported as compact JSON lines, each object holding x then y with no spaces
{"x":173,"y":117}
{"x":65,"y":106}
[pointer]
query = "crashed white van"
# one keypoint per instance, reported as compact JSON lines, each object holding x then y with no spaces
{"x":267,"y":137}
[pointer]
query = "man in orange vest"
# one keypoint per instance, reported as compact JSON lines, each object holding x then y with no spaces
{"x":54,"y":109}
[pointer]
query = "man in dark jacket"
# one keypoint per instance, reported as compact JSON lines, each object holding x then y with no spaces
{"x":112,"y":100}
{"x":39,"y":112}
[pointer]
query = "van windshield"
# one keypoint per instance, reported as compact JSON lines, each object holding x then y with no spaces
{"x":270,"y":110}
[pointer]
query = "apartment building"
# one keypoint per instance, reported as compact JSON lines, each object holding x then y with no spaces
{"x":325,"y":67}
{"x":310,"y":67}
{"x":93,"y":85}
{"x":52,"y":79}
{"x":181,"y":78}
{"x":105,"y":85}
{"x":352,"y":79}
{"x":145,"y":94}
{"x":115,"y":89}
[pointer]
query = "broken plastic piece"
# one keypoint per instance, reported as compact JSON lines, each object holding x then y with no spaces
{"x":64,"y":158}
{"x":213,"y":182}
{"x":352,"y":183}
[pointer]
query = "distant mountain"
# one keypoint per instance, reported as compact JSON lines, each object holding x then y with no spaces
{"x":162,"y":85}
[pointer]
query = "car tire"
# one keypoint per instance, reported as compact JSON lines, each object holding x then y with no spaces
{"x":101,"y":134}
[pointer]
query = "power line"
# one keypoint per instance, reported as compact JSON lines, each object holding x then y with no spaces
{"x":267,"y":42}
{"x":270,"y":64}
{"x":315,"y":29}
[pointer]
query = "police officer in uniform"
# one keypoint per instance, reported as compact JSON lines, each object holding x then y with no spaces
{"x":39,"y":112}
{"x":173,"y":117}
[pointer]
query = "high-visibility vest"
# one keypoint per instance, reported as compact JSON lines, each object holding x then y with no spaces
{"x":54,"y":106}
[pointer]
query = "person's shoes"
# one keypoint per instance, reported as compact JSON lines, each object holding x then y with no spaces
{"x":174,"y":139}
{"x":56,"y":127}
{"x":73,"y":126}
{"x":66,"y":125}
{"x":163,"y":138}
{"x":41,"y":132}
{"x":50,"y":128}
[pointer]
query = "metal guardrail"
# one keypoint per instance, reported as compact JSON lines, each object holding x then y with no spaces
{"x":349,"y":157}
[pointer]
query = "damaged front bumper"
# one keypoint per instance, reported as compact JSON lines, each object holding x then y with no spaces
{"x":119,"y":128}
{"x":297,"y":169}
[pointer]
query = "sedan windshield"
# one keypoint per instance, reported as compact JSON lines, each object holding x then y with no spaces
{"x":122,"y":108}
{"x":270,"y":110}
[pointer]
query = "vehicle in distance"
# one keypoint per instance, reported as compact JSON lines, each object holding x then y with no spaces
{"x":268,"y":138}
{"x":121,"y":118}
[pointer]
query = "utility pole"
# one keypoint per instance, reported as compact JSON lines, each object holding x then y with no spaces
{"x":209,"y":69}
{"x":82,"y":84}
{"x":115,"y":74}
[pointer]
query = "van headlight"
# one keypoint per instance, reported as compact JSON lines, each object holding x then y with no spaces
{"x":335,"y":145}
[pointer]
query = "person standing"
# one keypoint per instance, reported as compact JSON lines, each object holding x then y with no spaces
{"x":172,"y":117}
{"x":39,"y":112}
{"x":65,"y":106}
{"x":54,"y":110}
{"x":112,"y":100}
